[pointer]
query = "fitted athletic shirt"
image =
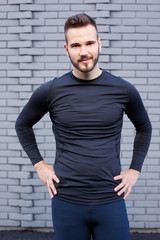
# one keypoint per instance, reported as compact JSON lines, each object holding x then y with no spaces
{"x":87,"y":118}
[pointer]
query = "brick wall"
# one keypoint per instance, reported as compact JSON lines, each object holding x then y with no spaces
{"x":31,"y":49}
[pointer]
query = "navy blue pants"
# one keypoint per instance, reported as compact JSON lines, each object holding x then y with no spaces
{"x":79,"y":222}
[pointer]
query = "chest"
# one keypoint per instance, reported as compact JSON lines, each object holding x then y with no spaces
{"x":88,"y":106}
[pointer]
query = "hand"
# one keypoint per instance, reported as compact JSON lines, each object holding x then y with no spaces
{"x":47,"y":175}
{"x":129,"y":179}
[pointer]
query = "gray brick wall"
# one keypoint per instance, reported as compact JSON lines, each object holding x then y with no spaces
{"x":31,"y":49}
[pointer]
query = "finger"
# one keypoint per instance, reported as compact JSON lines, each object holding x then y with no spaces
{"x":56,"y":179}
{"x":121,"y":185}
{"x":51,"y":188}
{"x":127,"y":193}
{"x":50,"y":192}
{"x":122,"y":190}
{"x":118,"y":177}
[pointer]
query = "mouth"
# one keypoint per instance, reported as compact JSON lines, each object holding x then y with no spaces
{"x":84,"y":60}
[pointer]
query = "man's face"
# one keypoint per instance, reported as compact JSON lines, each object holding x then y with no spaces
{"x":83,"y":48}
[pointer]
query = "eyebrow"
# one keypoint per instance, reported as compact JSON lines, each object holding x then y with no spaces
{"x":90,"y":41}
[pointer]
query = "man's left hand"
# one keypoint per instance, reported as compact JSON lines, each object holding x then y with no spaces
{"x":128,"y":180}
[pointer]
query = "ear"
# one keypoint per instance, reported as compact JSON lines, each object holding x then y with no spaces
{"x":66,"y":47}
{"x":100,"y":44}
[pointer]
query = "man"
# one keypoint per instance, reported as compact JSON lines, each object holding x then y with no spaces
{"x":86,"y":108}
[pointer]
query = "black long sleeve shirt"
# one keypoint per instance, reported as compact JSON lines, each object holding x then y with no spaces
{"x":87,"y":118}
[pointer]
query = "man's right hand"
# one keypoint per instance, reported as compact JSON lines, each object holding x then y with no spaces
{"x":47,"y":175}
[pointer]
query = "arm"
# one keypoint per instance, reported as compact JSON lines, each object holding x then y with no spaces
{"x":34,"y":110}
{"x":137,"y":114}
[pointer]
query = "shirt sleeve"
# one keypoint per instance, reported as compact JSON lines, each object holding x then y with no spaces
{"x":33,"y":111}
{"x":137,"y":114}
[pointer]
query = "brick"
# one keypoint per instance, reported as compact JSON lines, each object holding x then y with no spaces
{"x":45,"y":44}
{"x":95,"y":1}
{"x":34,"y":224}
{"x":19,"y":44}
{"x":83,"y":7}
{"x":19,"y":59}
{"x":8,"y":195}
{"x":46,"y":73}
{"x":46,"y":29}
{"x":147,"y":29}
{"x":31,"y":51}
{"x":7,"y":37}
{"x":33,"y":36}
{"x":32,"y":22}
{"x":153,"y":51}
{"x":21,"y":29}
{"x":135,"y":22}
{"x":32,"y":66}
{"x":122,"y":29}
{"x":155,"y":211}
{"x":3,"y":202}
{"x":19,"y":88}
{"x":9,"y":223}
{"x":122,"y":58}
{"x":135,"y":51}
{"x":57,"y":66}
{"x":20,"y":203}
{"x":16,"y":216}
{"x":3,"y":215}
{"x":45,"y":216}
{"x":18,"y":175}
{"x":135,"y":36}
{"x":34,"y":182}
{"x":122,"y":14}
{"x":90,"y":13}
{"x":145,"y":218}
{"x":146,"y":204}
{"x":33,"y":196}
{"x":19,"y":1}
{"x":43,"y":15}
{"x":110,"y":7}
{"x":148,"y":15}
{"x":3,"y":30}
{"x":59,"y":7}
{"x":153,"y":66}
{"x":32,"y":7}
{"x":134,"y":7}
{"x":70,"y":1}
{"x":3,"y":15}
{"x":30,"y":81}
{"x":9,"y":8}
{"x":3,"y":45}
{"x":19,"y":15}
{"x":34,"y":210}
{"x":155,"y":8}
{"x":148,"y":44}
{"x":55,"y":22}
{"x":3,"y":2}
{"x":147,"y":1}
{"x":19,"y":73}
{"x":136,"y":210}
{"x":6,"y":23}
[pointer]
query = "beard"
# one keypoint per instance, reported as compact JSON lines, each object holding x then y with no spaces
{"x":85,"y":67}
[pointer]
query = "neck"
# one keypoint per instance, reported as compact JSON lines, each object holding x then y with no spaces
{"x":96,"y":72}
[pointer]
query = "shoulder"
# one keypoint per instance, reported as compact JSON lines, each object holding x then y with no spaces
{"x":120,"y":83}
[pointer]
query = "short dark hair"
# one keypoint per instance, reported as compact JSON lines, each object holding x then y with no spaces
{"x":79,"y":20}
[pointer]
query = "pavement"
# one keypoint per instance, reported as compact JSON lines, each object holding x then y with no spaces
{"x":34,"y":235}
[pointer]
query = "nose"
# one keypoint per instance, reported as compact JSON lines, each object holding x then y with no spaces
{"x":83,"y":51}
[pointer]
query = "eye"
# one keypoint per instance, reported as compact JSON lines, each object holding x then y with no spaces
{"x":75,"y":45}
{"x":90,"y":43}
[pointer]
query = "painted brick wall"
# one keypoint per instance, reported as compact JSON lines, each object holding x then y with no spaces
{"x":31,"y":50}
